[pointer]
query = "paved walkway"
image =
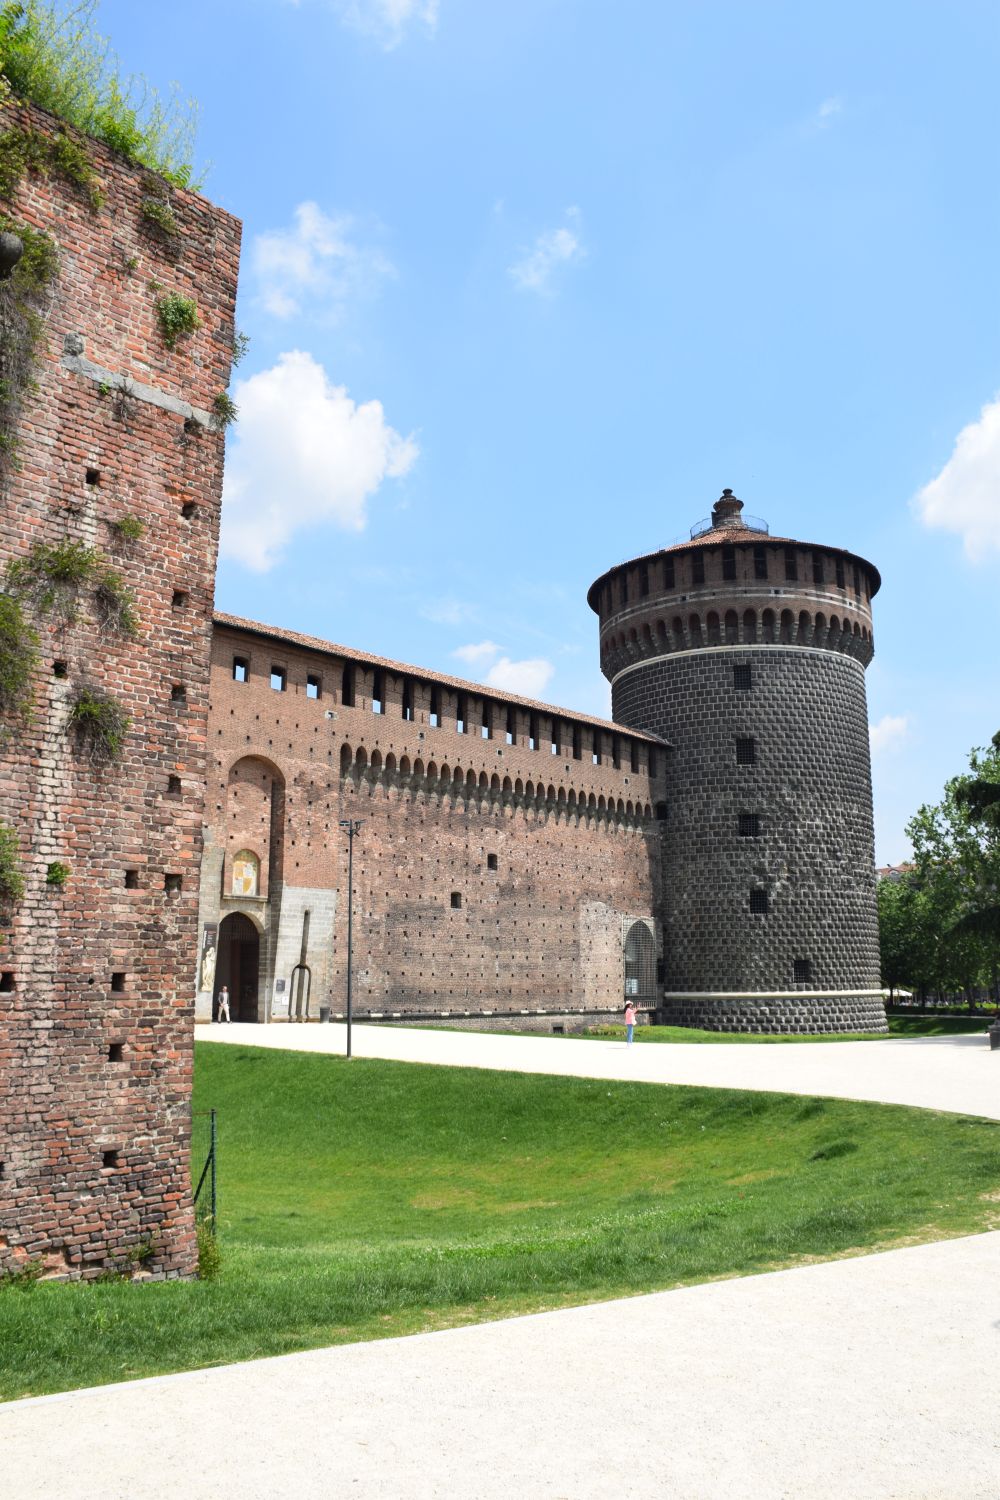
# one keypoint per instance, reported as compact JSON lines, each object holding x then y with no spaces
{"x":865,"y":1379}
{"x":957,"y":1073}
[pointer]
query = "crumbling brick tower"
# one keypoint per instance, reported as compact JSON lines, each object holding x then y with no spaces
{"x":111,"y":458}
{"x":747,"y":653}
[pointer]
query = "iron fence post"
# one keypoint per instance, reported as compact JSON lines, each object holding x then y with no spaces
{"x":213,"y":1170}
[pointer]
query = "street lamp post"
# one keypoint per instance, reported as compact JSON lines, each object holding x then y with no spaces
{"x":352,"y":825}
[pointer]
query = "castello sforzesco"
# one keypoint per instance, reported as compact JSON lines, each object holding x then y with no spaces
{"x":708,"y":854}
{"x":174,"y":781}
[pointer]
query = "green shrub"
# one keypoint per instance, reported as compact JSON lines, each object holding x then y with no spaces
{"x":99,"y":726}
{"x":114,"y":605}
{"x":18,"y":665}
{"x":209,"y":1256}
{"x":51,"y":578}
{"x":51,"y":54}
{"x":24,"y":1279}
{"x":178,"y":317}
{"x":241,"y":343}
{"x":11,"y":879}
{"x":158,"y":215}
{"x":23,"y":301}
{"x":57,"y":874}
{"x":23,"y":150}
{"x":126,"y":531}
{"x":224,"y":410}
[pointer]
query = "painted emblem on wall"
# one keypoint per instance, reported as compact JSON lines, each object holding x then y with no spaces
{"x":246,"y":873}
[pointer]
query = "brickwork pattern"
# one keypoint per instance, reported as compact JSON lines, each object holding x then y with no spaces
{"x":576,"y":844}
{"x":812,"y":1014}
{"x":95,"y":1034}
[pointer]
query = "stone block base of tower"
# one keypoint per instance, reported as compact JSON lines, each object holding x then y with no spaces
{"x":794,"y":1011}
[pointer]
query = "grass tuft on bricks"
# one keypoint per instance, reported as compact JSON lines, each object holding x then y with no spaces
{"x":366,"y":1199}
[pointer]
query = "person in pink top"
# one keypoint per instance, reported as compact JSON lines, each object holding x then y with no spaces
{"x":629,"y":1023}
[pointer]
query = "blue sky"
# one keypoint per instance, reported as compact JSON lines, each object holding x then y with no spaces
{"x":529,"y":282}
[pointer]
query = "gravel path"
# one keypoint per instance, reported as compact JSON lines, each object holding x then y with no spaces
{"x":956,"y":1073}
{"x":864,"y":1379}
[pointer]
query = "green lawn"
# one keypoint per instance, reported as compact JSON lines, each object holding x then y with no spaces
{"x":910,"y":1025}
{"x":371,"y":1198}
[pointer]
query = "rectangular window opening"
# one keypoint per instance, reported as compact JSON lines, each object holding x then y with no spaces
{"x":643,"y":580}
{"x":178,"y":693}
{"x":241,"y":669}
{"x":758,"y":902}
{"x":729,"y":563}
{"x":841,"y":577}
{"x":434,"y":717}
{"x":577,"y":744}
{"x":746,"y":750}
{"x":279,"y":679}
{"x":698,"y":568}
{"x":118,"y":982}
{"x":533,"y":732}
{"x":189,"y":510}
{"x":668,"y":573}
{"x":172,"y":884}
{"x":803,"y":970}
{"x":456,"y":900}
{"x":760,"y":562}
{"x":347,"y":687}
{"x":634,"y":752}
{"x":131,"y":880}
{"x":173,"y":786}
{"x":407,"y":700}
{"x":7,"y":981}
{"x":749,"y":825}
{"x":314,"y":687}
{"x":178,"y":599}
{"x":491,"y":862}
{"x":60,"y":669}
{"x":378,"y":693}
{"x":791,"y":565}
{"x":93,"y":476}
{"x":461,"y":714}
{"x":116,"y":1052}
{"x":817,"y":567}
{"x":109,"y":1158}
{"x":742,"y":676}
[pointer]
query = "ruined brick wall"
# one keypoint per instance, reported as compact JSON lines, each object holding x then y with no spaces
{"x":748,"y":654}
{"x":97,"y":1004}
{"x":492,"y":875}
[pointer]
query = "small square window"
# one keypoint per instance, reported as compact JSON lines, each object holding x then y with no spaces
{"x":7,"y":981}
{"x":758,"y":902}
{"x":749,"y":825}
{"x":742,"y":676}
{"x":178,"y":599}
{"x":661,"y":812}
{"x":491,"y":862}
{"x":131,"y":880}
{"x":279,"y":679}
{"x":118,"y":983}
{"x":59,"y":669}
{"x":456,"y":900}
{"x":178,"y":693}
{"x":314,"y":687}
{"x":116,"y":1052}
{"x":746,"y":751}
{"x":172,"y":884}
{"x":93,"y":476}
{"x":189,"y":510}
{"x":241,"y":669}
{"x":109,"y":1158}
{"x":803,"y":970}
{"x":173,"y":786}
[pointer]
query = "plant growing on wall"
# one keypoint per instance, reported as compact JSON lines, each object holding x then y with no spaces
{"x":23,"y":150}
{"x":224,"y":411}
{"x":126,"y":532}
{"x":57,"y":874}
{"x":51,"y":579}
{"x":99,"y":726}
{"x":18,"y":664}
{"x":158,"y":217}
{"x":177,"y":316}
{"x":52,"y":55}
{"x":11,"y":879}
{"x":23,"y":301}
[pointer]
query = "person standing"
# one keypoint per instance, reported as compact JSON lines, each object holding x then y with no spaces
{"x":223,"y":1014}
{"x":629,"y":1023}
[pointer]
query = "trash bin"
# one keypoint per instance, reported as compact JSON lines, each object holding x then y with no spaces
{"x":993,"y":1032}
{"x":324,"y":1013}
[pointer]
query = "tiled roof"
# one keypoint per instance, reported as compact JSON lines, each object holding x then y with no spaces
{"x":458,"y":684}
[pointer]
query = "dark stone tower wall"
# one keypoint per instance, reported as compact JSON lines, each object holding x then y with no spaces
{"x":775,"y":655}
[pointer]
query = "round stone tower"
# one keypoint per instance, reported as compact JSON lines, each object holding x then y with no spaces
{"x":747,"y":654}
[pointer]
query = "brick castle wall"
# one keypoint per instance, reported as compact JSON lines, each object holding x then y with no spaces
{"x":491,"y":875}
{"x":97,"y":1002}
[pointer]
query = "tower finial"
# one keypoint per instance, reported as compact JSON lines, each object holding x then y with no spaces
{"x":726,"y":510}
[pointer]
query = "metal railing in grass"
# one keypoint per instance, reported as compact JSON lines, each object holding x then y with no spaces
{"x":208,"y":1171}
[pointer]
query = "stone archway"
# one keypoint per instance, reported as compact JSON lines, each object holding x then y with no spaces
{"x":238,"y":966}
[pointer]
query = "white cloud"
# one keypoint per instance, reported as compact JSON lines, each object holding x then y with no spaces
{"x":305,"y":454}
{"x":552,"y":249}
{"x":387,"y":21}
{"x":889,"y":733}
{"x":316,"y":260}
{"x":965,"y":496}
{"x":481,"y":651}
{"x":527,"y":678}
{"x":448,"y":611}
{"x":828,"y":109}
